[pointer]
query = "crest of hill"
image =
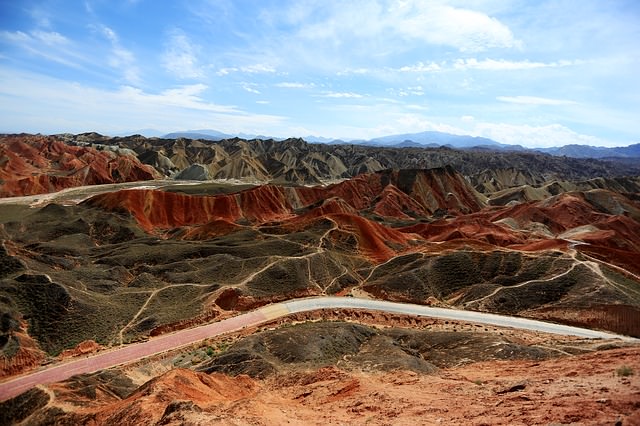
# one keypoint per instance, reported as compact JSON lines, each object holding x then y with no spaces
{"x":296,"y":161}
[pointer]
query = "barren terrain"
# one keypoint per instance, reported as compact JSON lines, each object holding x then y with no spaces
{"x":99,"y":267}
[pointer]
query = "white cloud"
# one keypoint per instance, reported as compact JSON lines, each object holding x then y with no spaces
{"x":50,"y":38}
{"x":421,"y":67}
{"x":441,"y":24}
{"x":36,"y":103}
{"x":535,"y":136}
{"x":248,"y":69}
{"x":49,"y":45}
{"x":121,"y":59}
{"x":407,"y":91}
{"x":355,"y":71}
{"x":258,"y":69}
{"x":341,"y":95}
{"x":180,"y":57}
{"x":251,"y":88}
{"x":41,"y":17}
{"x":505,"y":65}
{"x":534,"y":100}
{"x":414,"y":21}
{"x":295,"y":85}
{"x":463,"y":64}
{"x":224,"y":71}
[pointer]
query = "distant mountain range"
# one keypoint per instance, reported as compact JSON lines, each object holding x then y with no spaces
{"x":214,"y":135}
{"x":587,"y":151}
{"x":431,"y":139}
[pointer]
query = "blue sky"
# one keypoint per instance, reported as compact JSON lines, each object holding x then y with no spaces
{"x":536,"y":73}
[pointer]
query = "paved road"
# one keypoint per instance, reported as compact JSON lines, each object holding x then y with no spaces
{"x":77,"y":194}
{"x":111,"y":358}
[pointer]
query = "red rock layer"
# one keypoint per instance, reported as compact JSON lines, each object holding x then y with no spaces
{"x":27,"y":357}
{"x":471,"y":228}
{"x":613,"y":238}
{"x":148,"y":404}
{"x":82,"y":348}
{"x":558,"y":214}
{"x":402,"y":193}
{"x":394,"y":194}
{"x":167,"y":210}
{"x":212,"y":229}
{"x":39,"y":164}
{"x":156,"y":209}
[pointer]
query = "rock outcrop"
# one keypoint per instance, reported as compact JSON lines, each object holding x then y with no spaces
{"x":40,"y":164}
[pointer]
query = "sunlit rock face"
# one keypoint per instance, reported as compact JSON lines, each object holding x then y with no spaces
{"x":40,"y":164}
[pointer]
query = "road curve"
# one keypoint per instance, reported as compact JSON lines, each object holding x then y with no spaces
{"x":133,"y":352}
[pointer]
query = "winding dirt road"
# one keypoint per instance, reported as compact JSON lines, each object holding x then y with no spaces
{"x":134,"y":352}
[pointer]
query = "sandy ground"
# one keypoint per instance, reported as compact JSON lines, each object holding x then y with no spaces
{"x":584,"y":390}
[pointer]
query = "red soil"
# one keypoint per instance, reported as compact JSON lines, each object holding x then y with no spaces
{"x":82,"y":348}
{"x":41,"y":164}
{"x":374,"y":240}
{"x":167,"y":210}
{"x":212,"y":229}
{"x":581,"y":390}
{"x":28,"y":355}
{"x":466,"y":227}
{"x":559,"y":213}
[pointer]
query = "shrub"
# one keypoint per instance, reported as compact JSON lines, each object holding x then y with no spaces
{"x":624,"y":371}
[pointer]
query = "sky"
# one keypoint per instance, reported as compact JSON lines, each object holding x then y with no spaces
{"x":536,"y":73}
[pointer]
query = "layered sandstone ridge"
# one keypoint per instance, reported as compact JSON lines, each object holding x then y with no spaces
{"x":524,"y":176}
{"x":294,"y":160}
{"x":403,"y":194}
{"x":40,"y":164}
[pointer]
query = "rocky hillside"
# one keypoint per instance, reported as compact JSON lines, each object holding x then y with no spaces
{"x":41,"y":164}
{"x":296,"y":161}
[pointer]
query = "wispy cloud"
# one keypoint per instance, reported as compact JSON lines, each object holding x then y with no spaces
{"x":64,"y":106}
{"x":251,"y":88}
{"x":187,"y":96}
{"x":407,"y":91}
{"x":460,"y":64}
{"x":534,"y":100}
{"x":248,"y":69}
{"x":41,"y":17}
{"x":506,"y":65}
{"x":341,"y":95}
{"x":120,"y":58}
{"x":49,"y":45}
{"x":50,"y":38}
{"x":180,"y":57}
{"x":488,"y":64}
{"x":421,"y":67}
{"x":294,"y":85}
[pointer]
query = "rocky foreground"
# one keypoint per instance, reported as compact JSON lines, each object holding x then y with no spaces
{"x":361,"y":377}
